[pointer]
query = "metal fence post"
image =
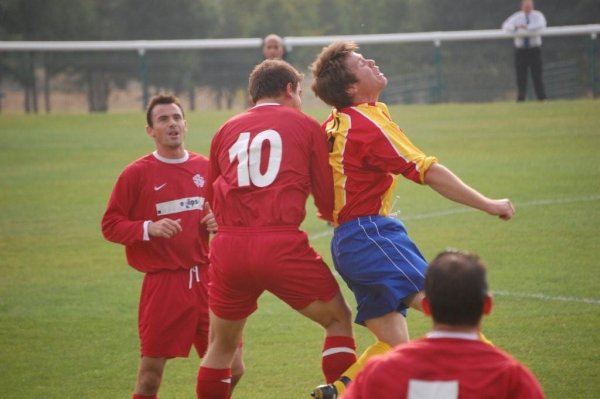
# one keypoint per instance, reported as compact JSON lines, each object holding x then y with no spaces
{"x":437,"y":61}
{"x":143,"y":76}
{"x":594,"y":80}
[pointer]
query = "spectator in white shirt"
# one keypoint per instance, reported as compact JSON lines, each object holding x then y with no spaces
{"x":528,"y":47}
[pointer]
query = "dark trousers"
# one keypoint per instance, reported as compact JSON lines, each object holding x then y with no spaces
{"x":529,"y":59}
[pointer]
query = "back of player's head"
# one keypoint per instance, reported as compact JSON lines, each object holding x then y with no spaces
{"x":270,"y":78}
{"x":161,"y":99}
{"x":456,"y":288}
{"x":332,"y":76}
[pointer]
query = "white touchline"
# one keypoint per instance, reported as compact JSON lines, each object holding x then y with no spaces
{"x":544,"y":297}
{"x":454,"y":211}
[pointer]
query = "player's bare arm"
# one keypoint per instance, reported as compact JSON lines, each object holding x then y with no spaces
{"x":165,"y":228}
{"x":447,"y":184}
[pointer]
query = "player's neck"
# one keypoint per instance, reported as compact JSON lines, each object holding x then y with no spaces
{"x":456,"y":329}
{"x":269,"y":100}
{"x":362,"y":99}
{"x":171,"y":153}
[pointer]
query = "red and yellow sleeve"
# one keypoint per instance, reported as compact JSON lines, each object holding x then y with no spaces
{"x":390,"y":149}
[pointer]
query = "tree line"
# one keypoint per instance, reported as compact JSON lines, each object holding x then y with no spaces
{"x":224,"y":72}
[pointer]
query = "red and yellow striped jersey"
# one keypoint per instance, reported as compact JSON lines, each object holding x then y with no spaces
{"x":368,"y":150}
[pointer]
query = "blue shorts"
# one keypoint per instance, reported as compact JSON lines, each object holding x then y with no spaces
{"x":380,"y":264}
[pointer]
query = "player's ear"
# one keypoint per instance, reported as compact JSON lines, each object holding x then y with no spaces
{"x":351,"y":90}
{"x":426,"y":306}
{"x":488,"y":304}
{"x":289,"y":90}
{"x":150,"y":131}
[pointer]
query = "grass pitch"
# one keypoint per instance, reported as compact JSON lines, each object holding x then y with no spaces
{"x":68,"y":301}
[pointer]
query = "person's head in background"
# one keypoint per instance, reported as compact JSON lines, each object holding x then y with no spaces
{"x":272,"y":48}
{"x":456,"y":292}
{"x":527,"y":6}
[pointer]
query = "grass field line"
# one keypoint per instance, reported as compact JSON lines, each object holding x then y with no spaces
{"x":454,"y":211}
{"x":544,"y":297}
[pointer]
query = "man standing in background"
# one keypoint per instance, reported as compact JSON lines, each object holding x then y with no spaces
{"x":273,"y":48}
{"x":528,"y":49}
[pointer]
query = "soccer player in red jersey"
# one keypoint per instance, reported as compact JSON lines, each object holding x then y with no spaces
{"x":371,"y":250}
{"x":158,"y":210}
{"x":263,"y":165}
{"x":451,"y":362}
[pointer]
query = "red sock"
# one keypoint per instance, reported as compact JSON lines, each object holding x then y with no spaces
{"x":136,"y":396}
{"x":338,"y":354}
{"x":213,"y":383}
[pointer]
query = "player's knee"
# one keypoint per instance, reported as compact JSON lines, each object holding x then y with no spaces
{"x":341,"y":317}
{"x":343,"y":313}
{"x":149,"y":382}
{"x":237,"y":370}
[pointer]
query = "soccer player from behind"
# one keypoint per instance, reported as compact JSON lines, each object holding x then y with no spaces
{"x":158,"y":211}
{"x":371,"y":250}
{"x":263,"y":165}
{"x":451,"y":362}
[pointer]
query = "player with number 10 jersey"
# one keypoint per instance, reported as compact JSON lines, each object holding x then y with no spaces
{"x":264,"y":163}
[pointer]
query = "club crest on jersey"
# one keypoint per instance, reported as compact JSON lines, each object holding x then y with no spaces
{"x":198,"y":181}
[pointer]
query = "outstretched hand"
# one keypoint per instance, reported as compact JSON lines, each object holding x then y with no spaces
{"x":503,"y":208}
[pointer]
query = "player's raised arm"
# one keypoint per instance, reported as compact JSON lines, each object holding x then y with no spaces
{"x":447,"y":184}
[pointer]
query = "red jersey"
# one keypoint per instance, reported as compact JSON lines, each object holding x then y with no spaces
{"x":153,"y":188}
{"x":369,"y":149}
{"x":452,"y":368}
{"x":264,"y":163}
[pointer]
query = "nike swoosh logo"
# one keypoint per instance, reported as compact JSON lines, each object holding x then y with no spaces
{"x":156,"y":188}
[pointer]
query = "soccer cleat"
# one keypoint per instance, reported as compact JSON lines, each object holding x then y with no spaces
{"x":328,"y":391}
{"x":331,"y":391}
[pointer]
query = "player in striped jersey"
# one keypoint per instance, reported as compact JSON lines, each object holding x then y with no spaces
{"x":372,"y":251}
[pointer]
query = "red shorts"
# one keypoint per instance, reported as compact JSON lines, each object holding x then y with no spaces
{"x":245,"y":262}
{"x":173,"y":313}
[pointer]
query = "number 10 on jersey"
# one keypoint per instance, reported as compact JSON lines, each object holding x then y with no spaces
{"x":249,"y":156}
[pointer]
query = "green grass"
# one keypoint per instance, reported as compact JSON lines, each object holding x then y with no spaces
{"x":68,"y":301}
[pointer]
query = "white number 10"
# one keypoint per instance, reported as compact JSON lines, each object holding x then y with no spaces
{"x":249,"y":155}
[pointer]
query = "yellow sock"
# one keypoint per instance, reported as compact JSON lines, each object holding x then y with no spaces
{"x":484,"y":339}
{"x":378,"y":348}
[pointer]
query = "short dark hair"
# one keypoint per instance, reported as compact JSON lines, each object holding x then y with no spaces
{"x":456,"y":288}
{"x":161,"y":99}
{"x":332,"y":76}
{"x":270,"y":79}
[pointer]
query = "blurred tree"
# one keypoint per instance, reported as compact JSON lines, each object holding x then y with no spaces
{"x":38,"y":20}
{"x":225,"y":72}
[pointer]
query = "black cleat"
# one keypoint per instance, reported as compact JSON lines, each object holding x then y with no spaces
{"x":328,"y":391}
